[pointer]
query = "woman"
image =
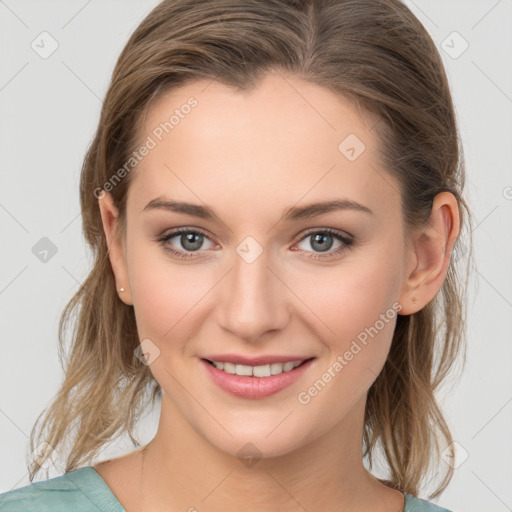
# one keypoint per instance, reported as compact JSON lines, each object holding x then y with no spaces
{"x":272,"y":196}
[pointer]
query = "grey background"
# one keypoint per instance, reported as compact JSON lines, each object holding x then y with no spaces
{"x":49,"y":111}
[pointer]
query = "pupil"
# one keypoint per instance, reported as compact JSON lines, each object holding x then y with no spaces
{"x":318,"y":239}
{"x":188,"y":238}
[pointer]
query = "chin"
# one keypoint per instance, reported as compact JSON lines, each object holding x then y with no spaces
{"x":257,"y":442}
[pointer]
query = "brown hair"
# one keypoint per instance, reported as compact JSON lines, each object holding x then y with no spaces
{"x":374,"y":52}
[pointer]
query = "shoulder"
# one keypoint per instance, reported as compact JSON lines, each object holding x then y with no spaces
{"x":81,"y":490}
{"x":414,"y":504}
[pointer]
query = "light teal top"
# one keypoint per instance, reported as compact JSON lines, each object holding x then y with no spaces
{"x":83,"y":490}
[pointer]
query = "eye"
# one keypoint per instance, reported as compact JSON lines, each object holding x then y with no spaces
{"x":190,"y":239}
{"x":323,"y":240}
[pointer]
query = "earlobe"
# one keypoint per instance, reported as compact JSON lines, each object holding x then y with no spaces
{"x":109,"y":219}
{"x":430,"y":253}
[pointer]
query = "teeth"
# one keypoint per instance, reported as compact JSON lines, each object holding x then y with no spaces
{"x":257,"y":371}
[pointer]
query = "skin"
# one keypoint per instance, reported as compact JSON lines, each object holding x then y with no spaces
{"x":249,"y":156}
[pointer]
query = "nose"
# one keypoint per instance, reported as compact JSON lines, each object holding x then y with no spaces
{"x":254,"y":300}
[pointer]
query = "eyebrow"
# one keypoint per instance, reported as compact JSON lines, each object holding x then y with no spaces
{"x":292,"y":213}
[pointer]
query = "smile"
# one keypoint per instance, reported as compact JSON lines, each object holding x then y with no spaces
{"x":255,"y":382}
{"x":265,"y":370}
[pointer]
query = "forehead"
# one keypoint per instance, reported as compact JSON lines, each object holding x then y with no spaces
{"x":284,"y":142}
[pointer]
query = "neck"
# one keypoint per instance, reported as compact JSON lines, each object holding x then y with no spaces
{"x":182,"y":470}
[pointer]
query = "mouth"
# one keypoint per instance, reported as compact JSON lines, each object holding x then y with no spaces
{"x":255,"y":382}
{"x":264,"y":370}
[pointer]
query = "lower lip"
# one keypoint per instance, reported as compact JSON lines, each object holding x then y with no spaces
{"x":255,"y":387}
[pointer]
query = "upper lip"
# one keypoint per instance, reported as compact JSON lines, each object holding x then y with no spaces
{"x":254,"y":361}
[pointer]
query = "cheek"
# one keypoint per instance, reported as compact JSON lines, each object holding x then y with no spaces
{"x":166,"y":295}
{"x":354,"y":318}
{"x":354,"y":302}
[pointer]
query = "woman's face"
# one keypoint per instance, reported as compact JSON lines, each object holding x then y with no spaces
{"x":249,"y":280}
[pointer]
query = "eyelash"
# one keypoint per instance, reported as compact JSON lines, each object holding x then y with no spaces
{"x":347,"y":242}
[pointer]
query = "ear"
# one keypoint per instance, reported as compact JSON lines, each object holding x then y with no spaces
{"x":116,"y":252}
{"x":429,"y":254}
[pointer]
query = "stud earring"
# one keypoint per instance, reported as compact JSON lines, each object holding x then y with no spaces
{"x":121,"y":289}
